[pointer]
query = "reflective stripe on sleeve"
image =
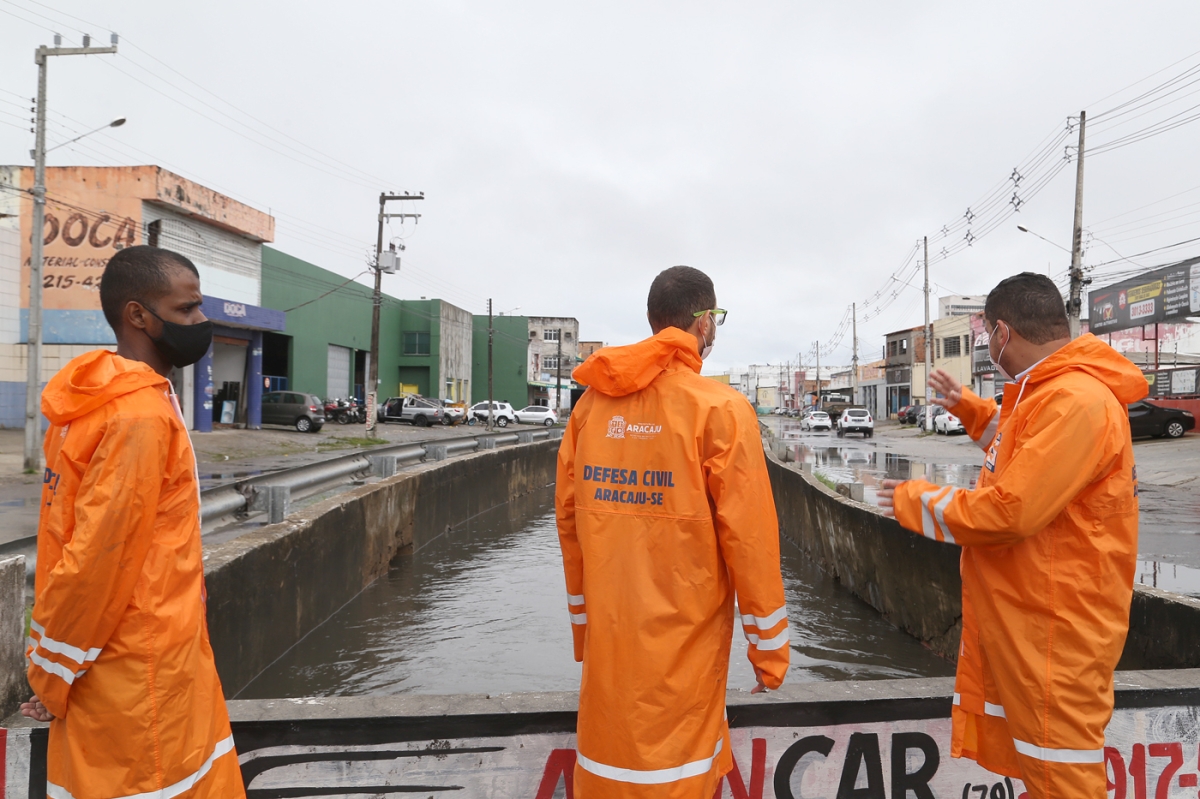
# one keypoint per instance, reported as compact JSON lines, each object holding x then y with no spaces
{"x":655,"y":777}
{"x":768,"y":644}
{"x":59,"y":648}
{"x":939,"y":511}
{"x":933,"y":521}
{"x":223,"y":747}
{"x":988,"y":708}
{"x":765,"y":622}
{"x":1059,"y":755}
{"x":989,"y":432}
{"x":578,"y":618}
{"x":50,"y":667}
{"x":574,"y":599}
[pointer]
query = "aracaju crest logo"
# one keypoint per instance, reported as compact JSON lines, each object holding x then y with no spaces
{"x":616,"y":427}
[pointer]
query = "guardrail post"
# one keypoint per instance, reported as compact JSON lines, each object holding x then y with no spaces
{"x":383,"y":465}
{"x":279,"y":503}
{"x":556,"y":433}
{"x":486,"y":442}
{"x":524,"y":436}
{"x":436,"y":452}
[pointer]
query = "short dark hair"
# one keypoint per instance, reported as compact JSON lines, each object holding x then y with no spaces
{"x":676,"y":294}
{"x":1032,"y":304}
{"x":141,"y":274}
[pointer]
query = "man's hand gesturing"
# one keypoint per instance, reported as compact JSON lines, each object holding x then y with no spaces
{"x":34,"y":709}
{"x":948,"y":386}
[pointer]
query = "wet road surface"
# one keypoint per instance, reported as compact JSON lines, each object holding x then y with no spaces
{"x":482,"y":610}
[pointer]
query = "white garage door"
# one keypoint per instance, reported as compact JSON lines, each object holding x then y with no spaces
{"x":337,"y":376}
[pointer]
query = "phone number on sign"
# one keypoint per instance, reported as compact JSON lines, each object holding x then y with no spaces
{"x":65,"y":281}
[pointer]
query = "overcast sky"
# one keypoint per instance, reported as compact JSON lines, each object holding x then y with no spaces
{"x":568,"y":152}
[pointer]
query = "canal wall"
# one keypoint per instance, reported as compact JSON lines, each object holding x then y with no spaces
{"x":914,"y":581}
{"x":878,"y":739}
{"x":269,"y":588}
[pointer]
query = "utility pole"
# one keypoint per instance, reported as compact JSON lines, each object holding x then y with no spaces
{"x":33,"y":378}
{"x":558,"y":377}
{"x":928,"y":346}
{"x":490,"y":336}
{"x":1075,"y":306}
{"x":377,"y":300}
{"x":818,"y":349}
{"x":854,"y":360}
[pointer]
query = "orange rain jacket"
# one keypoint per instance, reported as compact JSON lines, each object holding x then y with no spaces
{"x":664,"y":511}
{"x":1049,"y":548}
{"x":119,"y":647}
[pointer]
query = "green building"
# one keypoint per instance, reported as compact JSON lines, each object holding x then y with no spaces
{"x":510,"y":360}
{"x":435,"y":350}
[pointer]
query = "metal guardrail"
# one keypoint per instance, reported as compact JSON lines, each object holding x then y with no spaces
{"x":273,"y":493}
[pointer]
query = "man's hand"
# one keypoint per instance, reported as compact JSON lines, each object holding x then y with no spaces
{"x":886,"y":494}
{"x":762,"y":686}
{"x":948,"y":386}
{"x":34,"y":709}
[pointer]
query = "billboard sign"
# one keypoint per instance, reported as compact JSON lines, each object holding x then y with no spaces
{"x":1169,"y":294}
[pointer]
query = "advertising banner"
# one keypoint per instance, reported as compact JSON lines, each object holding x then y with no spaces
{"x":1171,"y":293}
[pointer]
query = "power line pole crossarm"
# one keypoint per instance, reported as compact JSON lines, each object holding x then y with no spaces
{"x":377,"y":301}
{"x":33,"y":374}
{"x":1075,"y":307}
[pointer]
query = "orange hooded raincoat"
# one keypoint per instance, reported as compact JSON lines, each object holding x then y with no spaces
{"x":664,"y":512}
{"x":119,"y":647}
{"x":1049,"y":548}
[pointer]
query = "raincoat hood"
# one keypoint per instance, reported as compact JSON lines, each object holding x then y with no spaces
{"x":1092,"y":356}
{"x":619,"y":371}
{"x":91,"y":380}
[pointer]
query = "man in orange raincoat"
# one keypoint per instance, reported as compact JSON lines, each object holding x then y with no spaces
{"x":665,"y":513}
{"x":1049,"y":544}
{"x":119,"y":655}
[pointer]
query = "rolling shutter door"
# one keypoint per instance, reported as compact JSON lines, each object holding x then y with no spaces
{"x":337,"y":377}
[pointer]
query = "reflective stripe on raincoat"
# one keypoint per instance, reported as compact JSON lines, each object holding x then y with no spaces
{"x":664,"y":512}
{"x":1049,"y":549}
{"x":119,"y":647}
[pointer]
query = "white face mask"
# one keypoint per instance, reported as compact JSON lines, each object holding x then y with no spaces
{"x":708,"y":346}
{"x":996,"y":360}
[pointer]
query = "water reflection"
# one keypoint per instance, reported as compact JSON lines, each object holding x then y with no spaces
{"x":1173,"y":577}
{"x":481,"y":610}
{"x":849,"y":461}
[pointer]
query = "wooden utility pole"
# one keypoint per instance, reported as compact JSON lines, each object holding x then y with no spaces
{"x":377,"y":300}
{"x":1076,"y":304}
{"x":33,"y":361}
{"x":490,"y":337}
{"x":928,"y":347}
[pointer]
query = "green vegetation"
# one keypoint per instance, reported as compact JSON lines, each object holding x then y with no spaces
{"x":830,"y":484}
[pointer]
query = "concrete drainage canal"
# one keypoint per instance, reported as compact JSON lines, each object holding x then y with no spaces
{"x":410,"y":637}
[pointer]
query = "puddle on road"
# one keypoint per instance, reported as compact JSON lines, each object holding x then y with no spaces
{"x":1173,"y":577}
{"x":20,"y":503}
{"x":482,"y":610}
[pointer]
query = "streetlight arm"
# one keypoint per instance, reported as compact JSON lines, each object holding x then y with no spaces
{"x":1024,"y":229}
{"x":116,"y":123}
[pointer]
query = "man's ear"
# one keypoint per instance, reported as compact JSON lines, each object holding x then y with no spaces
{"x":135,"y":315}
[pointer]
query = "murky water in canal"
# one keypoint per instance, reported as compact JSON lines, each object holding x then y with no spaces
{"x":482,"y":610}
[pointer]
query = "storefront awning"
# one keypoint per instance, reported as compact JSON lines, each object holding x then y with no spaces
{"x":240,"y":314}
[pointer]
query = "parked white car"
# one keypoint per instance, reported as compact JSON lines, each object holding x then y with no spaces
{"x":537,"y":414}
{"x":947,"y":423}
{"x":856,"y":420}
{"x":817,"y":420}
{"x":502,"y":414}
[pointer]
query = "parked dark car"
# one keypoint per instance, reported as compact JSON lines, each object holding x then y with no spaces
{"x":909,"y":413}
{"x":1148,"y":419}
{"x":304,"y":412}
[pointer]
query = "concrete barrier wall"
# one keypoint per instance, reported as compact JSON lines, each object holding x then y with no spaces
{"x":14,"y":688}
{"x":885,"y":739}
{"x":270,"y":588}
{"x":914,"y":581}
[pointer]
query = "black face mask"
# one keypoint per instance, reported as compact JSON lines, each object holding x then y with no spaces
{"x":182,"y":345}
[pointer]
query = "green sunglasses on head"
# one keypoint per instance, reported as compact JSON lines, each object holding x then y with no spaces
{"x":718,"y":315}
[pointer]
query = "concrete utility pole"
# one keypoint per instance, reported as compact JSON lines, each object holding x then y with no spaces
{"x":33,"y":378}
{"x":818,"y":348}
{"x":1076,"y":303}
{"x":558,"y":377}
{"x":928,"y":346}
{"x":377,"y":300}
{"x":854,"y":360}
{"x":490,"y":400}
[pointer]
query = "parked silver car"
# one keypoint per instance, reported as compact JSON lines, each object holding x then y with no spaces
{"x":417,"y":411}
{"x":537,"y":414}
{"x":305,"y":412}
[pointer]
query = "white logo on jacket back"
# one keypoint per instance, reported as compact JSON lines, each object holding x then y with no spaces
{"x":616,"y":427}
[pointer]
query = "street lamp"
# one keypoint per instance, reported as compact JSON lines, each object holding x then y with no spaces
{"x":1024,"y":229}
{"x":116,"y":123}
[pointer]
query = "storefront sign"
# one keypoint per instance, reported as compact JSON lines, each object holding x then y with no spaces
{"x":1171,"y":293}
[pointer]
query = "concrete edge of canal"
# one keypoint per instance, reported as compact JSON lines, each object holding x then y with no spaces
{"x":269,"y":588}
{"x":914,"y":581}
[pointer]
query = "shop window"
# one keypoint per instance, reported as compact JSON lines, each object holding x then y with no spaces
{"x":416,"y":343}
